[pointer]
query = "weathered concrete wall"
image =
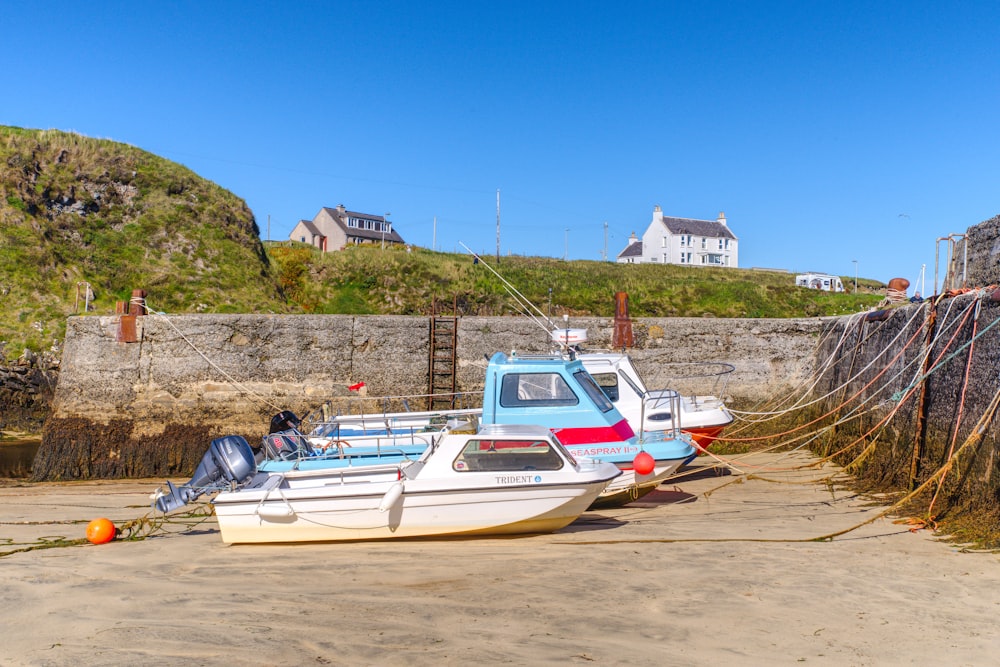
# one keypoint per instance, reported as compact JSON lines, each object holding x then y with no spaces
{"x":149,"y":408}
{"x":911,"y":389}
{"x":983,"y":256}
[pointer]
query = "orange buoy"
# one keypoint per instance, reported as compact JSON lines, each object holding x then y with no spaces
{"x":100,"y":531}
{"x":643,"y":463}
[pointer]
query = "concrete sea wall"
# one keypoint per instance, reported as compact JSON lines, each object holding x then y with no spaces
{"x":150,"y":407}
{"x":909,"y":398}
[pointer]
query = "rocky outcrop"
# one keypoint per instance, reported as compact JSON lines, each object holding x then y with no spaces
{"x":26,"y":390}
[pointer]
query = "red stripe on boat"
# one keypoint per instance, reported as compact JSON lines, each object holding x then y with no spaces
{"x":589,"y":435}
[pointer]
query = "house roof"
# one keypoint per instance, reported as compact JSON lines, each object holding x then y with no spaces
{"x":311,"y":228}
{"x":709,"y":228}
{"x":633,"y":249}
{"x":369,"y":234}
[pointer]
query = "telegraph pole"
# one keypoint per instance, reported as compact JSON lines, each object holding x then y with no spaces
{"x":498,"y":225}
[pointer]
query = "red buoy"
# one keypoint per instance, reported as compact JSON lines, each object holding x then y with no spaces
{"x":100,"y":531}
{"x":643,"y":463}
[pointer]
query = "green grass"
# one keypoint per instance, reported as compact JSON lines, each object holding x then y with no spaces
{"x":368,"y":280}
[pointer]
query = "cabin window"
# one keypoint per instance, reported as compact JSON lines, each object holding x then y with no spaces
{"x":608,"y":382}
{"x":599,"y":398}
{"x":499,"y":455}
{"x":536,"y":390}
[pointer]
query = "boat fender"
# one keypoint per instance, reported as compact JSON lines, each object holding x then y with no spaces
{"x":275,"y":512}
{"x":391,"y":497}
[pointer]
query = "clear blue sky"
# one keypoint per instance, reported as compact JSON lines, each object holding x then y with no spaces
{"x":827,"y":132}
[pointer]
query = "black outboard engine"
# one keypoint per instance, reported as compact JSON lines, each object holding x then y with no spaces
{"x":284,"y":441}
{"x":229,"y":460}
{"x":285,"y":420}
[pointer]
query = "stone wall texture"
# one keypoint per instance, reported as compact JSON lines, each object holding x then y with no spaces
{"x":981,"y":254}
{"x":909,"y":396}
{"x":150,"y":407}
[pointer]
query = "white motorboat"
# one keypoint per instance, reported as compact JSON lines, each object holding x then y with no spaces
{"x":501,"y":480}
{"x":703,"y":417}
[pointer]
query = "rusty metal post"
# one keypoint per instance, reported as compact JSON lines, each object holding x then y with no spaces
{"x":623,"y":325}
{"x":137,"y":306}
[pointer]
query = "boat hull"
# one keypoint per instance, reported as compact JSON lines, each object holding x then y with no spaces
{"x":304,"y":514}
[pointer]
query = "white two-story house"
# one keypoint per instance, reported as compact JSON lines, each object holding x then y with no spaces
{"x":683,"y":241}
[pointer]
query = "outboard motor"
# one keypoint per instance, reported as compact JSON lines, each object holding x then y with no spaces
{"x":284,"y":441}
{"x":286,"y":420}
{"x":229,"y":460}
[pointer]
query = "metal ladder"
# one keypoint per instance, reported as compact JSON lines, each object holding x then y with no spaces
{"x":443,"y":360}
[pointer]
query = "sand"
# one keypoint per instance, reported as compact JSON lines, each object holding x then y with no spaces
{"x":685,"y":576}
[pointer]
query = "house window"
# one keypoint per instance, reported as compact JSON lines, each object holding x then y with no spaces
{"x":683,"y":258}
{"x":727,"y":244}
{"x":704,"y":243}
{"x":665,"y":258}
{"x":720,"y":244}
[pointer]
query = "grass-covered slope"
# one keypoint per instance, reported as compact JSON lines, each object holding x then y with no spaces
{"x":76,"y":210}
{"x":366,"y":279}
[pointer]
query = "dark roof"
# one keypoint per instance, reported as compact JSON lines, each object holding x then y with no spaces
{"x":311,"y":228}
{"x":709,"y":228}
{"x":369,"y":234}
{"x":633,"y":250}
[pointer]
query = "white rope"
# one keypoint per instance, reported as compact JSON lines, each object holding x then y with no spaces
{"x":236,"y":383}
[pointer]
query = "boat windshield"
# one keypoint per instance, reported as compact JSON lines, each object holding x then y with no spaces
{"x":599,"y":398}
{"x":536,"y":390}
{"x":501,"y":455}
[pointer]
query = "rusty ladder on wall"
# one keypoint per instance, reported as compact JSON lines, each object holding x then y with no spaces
{"x":443,"y":359}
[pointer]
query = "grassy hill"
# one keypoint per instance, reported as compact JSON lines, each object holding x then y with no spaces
{"x":366,"y":279}
{"x":76,"y":211}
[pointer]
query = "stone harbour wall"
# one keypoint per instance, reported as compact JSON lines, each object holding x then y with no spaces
{"x":150,"y":407}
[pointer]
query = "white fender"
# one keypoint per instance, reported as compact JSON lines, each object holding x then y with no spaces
{"x":391,"y":497}
{"x":275,"y":512}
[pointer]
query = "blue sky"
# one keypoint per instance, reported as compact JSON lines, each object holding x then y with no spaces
{"x":827,"y":132}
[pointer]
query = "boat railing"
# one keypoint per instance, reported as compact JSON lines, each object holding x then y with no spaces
{"x":406,"y":446}
{"x":658,"y":400}
{"x":379,"y":406}
{"x":694,"y":377}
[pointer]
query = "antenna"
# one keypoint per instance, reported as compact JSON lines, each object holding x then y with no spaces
{"x":521,"y":300}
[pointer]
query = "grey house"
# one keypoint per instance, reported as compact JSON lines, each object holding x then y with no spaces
{"x":336,"y":228}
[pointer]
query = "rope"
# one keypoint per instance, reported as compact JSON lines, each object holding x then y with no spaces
{"x":236,"y":383}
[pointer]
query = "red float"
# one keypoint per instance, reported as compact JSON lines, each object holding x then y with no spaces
{"x":643,"y":463}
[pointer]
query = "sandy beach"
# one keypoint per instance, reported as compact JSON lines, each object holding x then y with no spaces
{"x":713,"y":569}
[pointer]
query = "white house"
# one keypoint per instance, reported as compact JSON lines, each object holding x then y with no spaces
{"x":683,"y":241}
{"x":336,"y":228}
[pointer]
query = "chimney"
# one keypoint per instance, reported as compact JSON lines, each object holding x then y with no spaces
{"x":633,"y":239}
{"x":722,"y":218}
{"x":340,"y":207}
{"x":657,"y":214}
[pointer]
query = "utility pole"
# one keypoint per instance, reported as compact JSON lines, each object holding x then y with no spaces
{"x":566,"y":249}
{"x":434,"y":235}
{"x":498,"y":225}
